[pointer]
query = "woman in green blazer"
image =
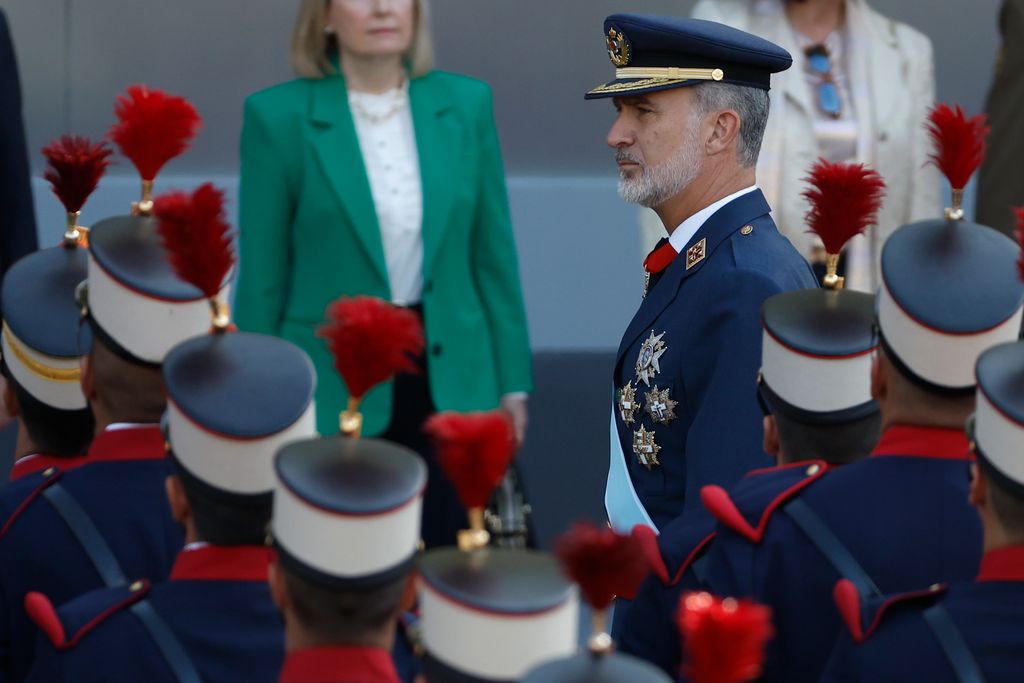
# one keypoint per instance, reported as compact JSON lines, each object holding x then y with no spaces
{"x":374,"y":174}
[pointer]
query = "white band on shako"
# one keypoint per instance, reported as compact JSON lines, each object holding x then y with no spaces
{"x":938,"y":357}
{"x":51,"y":380}
{"x":147,"y":327}
{"x":999,"y":438}
{"x":815,"y":383}
{"x":348,"y":546}
{"x":491,"y":645}
{"x":244,"y":466}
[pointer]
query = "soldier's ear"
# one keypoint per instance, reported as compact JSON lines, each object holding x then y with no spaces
{"x":11,"y":406}
{"x":978,"y":493}
{"x":278,"y":589}
{"x":181,"y":510}
{"x":409,"y":594}
{"x":879,"y":384}
{"x":725,"y":130}
{"x":87,"y":379}
{"x":771,"y":438}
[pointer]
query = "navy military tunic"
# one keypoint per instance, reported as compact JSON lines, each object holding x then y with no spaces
{"x":899,"y":645}
{"x":685,"y":411}
{"x":121,"y":489}
{"x":216,"y":603}
{"x":902,"y":513}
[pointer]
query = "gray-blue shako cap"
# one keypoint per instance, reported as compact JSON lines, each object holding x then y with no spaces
{"x":816,"y":355}
{"x":950,"y":290}
{"x":998,"y":423}
{"x":234,"y":399}
{"x":652,"y":53}
{"x":137,"y":304}
{"x":493,"y":614}
{"x":587,"y":668}
{"x":43,"y":337}
{"x":347,"y":511}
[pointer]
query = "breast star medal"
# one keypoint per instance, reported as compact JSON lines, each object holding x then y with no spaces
{"x":645,"y":449}
{"x":627,"y":403}
{"x":659,"y":406}
{"x":647,"y":363}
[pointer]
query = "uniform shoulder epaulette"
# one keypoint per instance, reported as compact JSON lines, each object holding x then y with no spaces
{"x":751,"y":503}
{"x":676,"y":548}
{"x":67,"y":625}
{"x":25,"y":491}
{"x":863,"y":616}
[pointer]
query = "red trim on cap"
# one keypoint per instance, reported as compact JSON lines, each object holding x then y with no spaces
{"x":923,"y":442}
{"x":660,"y":259}
{"x":138,"y":292}
{"x":936,"y":330}
{"x":37,"y":462}
{"x":818,"y":356}
{"x":649,"y":543}
{"x":339,"y":664}
{"x":360,"y":515}
{"x":228,"y":437}
{"x":1003,"y":564}
{"x":452,"y":600}
{"x":42,"y":613}
{"x":222,"y":563}
{"x":137,"y":442}
{"x":999,"y":410}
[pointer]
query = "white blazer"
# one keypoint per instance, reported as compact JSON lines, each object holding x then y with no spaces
{"x":893,"y":86}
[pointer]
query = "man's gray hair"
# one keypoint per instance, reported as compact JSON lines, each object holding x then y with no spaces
{"x":750,"y":103}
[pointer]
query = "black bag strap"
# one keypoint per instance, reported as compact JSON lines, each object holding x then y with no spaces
{"x":953,"y":645}
{"x":102,"y":557}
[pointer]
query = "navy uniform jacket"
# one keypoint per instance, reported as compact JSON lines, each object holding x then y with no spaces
{"x":339,"y":664}
{"x":217,"y":603}
{"x":899,"y":645}
{"x":902,"y":513}
{"x":704,"y":317}
{"x":122,"y":491}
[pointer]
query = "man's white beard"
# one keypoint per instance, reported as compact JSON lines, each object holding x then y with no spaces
{"x":652,"y":185}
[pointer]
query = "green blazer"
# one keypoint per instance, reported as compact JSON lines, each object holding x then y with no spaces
{"x":309,"y":234}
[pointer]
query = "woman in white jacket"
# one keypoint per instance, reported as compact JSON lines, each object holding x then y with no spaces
{"x":859,"y":90}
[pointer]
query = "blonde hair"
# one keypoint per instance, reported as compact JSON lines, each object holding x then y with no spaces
{"x":309,"y":53}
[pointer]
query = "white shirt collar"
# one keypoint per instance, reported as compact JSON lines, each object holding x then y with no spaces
{"x":688,"y":228}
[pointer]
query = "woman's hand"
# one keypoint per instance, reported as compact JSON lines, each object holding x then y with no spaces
{"x":515,"y":406}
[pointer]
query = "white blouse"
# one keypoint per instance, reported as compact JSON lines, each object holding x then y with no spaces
{"x":387,"y":141}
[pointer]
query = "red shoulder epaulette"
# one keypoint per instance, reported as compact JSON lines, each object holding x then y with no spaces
{"x":776,"y":486}
{"x":68,"y":625}
{"x":39,"y":482}
{"x":855,"y":613}
{"x":649,"y":540}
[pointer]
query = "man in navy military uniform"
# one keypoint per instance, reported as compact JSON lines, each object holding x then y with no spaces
{"x":692,"y":102}
{"x":819,"y":413}
{"x":108,"y":519}
{"x":966,"y":631}
{"x":898,"y":520}
{"x":233,"y":400}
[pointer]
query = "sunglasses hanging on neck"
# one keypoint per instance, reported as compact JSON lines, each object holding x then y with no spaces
{"x":827,"y":93}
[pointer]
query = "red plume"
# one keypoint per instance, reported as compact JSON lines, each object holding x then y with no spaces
{"x":845,"y":199}
{"x":153,"y":128}
{"x":197,"y":236}
{"x":371,"y":341}
{"x":474,"y":450}
{"x":724,"y":640}
{"x":75,"y":166}
{"x":959,"y":143}
{"x":604,"y":563}
{"x":1019,"y":213}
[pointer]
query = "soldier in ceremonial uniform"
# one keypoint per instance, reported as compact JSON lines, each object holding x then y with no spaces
{"x":692,"y":102}
{"x":233,"y":400}
{"x":967,"y":631}
{"x":898,"y":520}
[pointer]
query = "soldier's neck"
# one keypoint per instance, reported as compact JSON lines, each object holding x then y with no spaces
{"x":24,"y":445}
{"x":714,"y":183}
{"x":298,"y":637}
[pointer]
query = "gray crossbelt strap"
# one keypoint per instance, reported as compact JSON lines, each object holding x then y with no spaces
{"x":953,"y":645}
{"x":103,"y":559}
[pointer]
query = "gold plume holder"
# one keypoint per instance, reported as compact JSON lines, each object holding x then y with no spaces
{"x":476,"y":536}
{"x":144,"y":206}
{"x":220,"y":315}
{"x":350,"y":422}
{"x":956,"y":212}
{"x":600,"y":642}
{"x":831,"y":279}
{"x":75,"y":235}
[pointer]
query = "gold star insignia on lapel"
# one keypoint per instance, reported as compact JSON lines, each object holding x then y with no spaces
{"x":696,"y":253}
{"x":659,"y":406}
{"x":627,"y":403}
{"x":647,"y":363}
{"x":645,"y":449}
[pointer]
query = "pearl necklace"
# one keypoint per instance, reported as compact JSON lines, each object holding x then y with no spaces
{"x":379,"y":107}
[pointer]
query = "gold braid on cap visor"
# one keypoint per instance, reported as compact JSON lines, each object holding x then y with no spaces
{"x":38,"y":369}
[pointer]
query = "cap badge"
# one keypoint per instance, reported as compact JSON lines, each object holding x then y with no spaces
{"x":627,"y":403}
{"x":645,"y":449}
{"x":647,"y":363}
{"x":619,"y":50}
{"x":659,"y":406}
{"x":696,"y":253}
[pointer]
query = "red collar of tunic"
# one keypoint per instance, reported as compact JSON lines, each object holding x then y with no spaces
{"x":659,"y":259}
{"x":137,"y":442}
{"x":339,"y":664}
{"x":222,"y":563}
{"x":37,"y":462}
{"x":1003,"y":564}
{"x":924,"y":442}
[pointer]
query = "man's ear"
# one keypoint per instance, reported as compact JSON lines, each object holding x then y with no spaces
{"x":11,"y":400}
{"x":411,"y":590}
{"x":724,"y":131}
{"x":978,"y":493}
{"x":181,"y":510}
{"x":278,"y":587}
{"x":879,"y":382}
{"x":771,"y":438}
{"x":87,"y":379}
